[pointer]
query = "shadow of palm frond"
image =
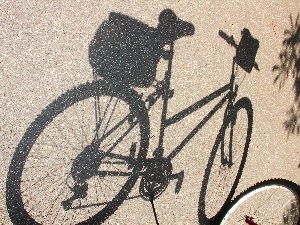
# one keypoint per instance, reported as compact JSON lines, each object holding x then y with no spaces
{"x":292,"y":123}
{"x":289,"y":66}
{"x":288,"y":56}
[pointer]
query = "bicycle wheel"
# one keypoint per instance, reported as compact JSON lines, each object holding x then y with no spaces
{"x":226,"y":162}
{"x":274,"y":201}
{"x":76,"y":164}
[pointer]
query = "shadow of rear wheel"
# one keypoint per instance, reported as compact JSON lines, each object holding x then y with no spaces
{"x":40,"y":179}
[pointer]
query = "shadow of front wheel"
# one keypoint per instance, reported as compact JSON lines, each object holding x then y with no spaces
{"x":226,"y":161}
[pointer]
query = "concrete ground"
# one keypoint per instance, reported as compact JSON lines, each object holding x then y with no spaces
{"x":44,"y":52}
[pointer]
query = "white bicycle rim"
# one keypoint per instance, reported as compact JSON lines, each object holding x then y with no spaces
{"x":265,"y":205}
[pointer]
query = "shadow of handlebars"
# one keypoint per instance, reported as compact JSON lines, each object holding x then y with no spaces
{"x":246,"y":50}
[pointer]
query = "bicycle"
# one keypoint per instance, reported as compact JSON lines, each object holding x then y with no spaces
{"x":115,"y":150}
{"x":274,"y":201}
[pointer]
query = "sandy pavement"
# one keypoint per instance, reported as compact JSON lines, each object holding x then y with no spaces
{"x":44,"y":52}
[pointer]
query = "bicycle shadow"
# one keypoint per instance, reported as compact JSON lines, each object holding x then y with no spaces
{"x":123,"y":53}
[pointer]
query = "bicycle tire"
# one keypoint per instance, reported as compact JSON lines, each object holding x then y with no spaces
{"x":37,"y":139}
{"x":257,"y":204}
{"x":220,"y":180}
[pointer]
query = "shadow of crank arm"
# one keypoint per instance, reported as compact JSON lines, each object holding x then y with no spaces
{"x":179,"y":176}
